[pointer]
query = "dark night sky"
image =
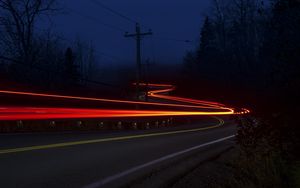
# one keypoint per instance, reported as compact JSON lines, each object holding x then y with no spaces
{"x":178,"y":19}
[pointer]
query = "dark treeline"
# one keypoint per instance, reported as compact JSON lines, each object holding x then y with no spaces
{"x":249,"y":53}
{"x":249,"y":45}
{"x":35,"y":58}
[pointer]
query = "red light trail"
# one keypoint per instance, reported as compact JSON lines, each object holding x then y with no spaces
{"x":42,"y":113}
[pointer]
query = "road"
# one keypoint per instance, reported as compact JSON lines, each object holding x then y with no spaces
{"x":102,"y":159}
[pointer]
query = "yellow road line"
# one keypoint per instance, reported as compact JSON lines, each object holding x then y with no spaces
{"x":49,"y":146}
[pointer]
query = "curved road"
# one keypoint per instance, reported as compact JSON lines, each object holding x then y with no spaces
{"x":103,"y":160}
{"x":108,"y":159}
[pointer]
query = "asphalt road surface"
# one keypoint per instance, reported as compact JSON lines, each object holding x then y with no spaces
{"x":102,"y":159}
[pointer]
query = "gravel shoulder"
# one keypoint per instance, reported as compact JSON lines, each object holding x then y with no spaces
{"x":194,"y":170}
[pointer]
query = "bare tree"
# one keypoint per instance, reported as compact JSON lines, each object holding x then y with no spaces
{"x":85,"y":59}
{"x":18,"y":19}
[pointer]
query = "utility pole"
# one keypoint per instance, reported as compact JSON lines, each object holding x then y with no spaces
{"x":138,"y":36}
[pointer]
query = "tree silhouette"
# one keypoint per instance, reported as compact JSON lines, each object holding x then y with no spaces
{"x":71,"y":70}
{"x":207,"y":39}
{"x":18,"y":18}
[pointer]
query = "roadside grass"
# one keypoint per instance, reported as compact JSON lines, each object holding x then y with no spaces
{"x":265,"y":156}
{"x":251,"y":172}
{"x":260,"y":162}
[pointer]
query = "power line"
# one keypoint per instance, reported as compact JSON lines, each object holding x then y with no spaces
{"x":113,"y":11}
{"x":138,"y":35}
{"x":97,"y":2}
{"x":175,"y":40}
{"x":96,"y":20}
{"x":96,"y":51}
{"x":127,"y":18}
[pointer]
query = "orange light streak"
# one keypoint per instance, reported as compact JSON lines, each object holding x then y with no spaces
{"x":39,"y":113}
{"x":23,"y":113}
